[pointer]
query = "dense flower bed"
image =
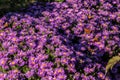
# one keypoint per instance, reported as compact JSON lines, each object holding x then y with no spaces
{"x":71,"y":40}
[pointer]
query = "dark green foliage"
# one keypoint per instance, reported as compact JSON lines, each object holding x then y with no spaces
{"x":16,"y":5}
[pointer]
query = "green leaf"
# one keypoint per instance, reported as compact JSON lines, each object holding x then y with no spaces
{"x":14,"y":67}
{"x":48,"y":51}
{"x":49,"y":35}
{"x":24,"y":69}
{"x":2,"y":70}
{"x":25,"y":58}
{"x":18,"y":27}
{"x":112,"y":62}
{"x":59,"y":0}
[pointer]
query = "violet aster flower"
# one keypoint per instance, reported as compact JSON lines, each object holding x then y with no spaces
{"x":87,"y":70}
{"x":91,"y":77}
{"x":60,"y":41}
{"x":31,"y":44}
{"x":71,"y":68}
{"x":2,"y":35}
{"x":49,"y":72}
{"x":29,"y":74}
{"x":13,"y":63}
{"x":41,"y":72}
{"x":84,"y":77}
{"x":61,"y":77}
{"x":76,"y":76}
{"x":31,"y":62}
{"x":6,"y":44}
{"x":20,"y":62}
{"x":101,"y":75}
{"x":64,"y":60}
{"x":12,"y":74}
{"x":12,"y":49}
{"x":3,"y":76}
{"x":47,"y":78}
{"x":3,"y":61}
{"x":58,"y":71}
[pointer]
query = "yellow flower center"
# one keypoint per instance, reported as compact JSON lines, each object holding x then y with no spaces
{"x":13,"y":63}
{"x":101,"y":75}
{"x":59,"y":70}
{"x":14,"y":39}
{"x":2,"y":62}
{"x":1,"y":34}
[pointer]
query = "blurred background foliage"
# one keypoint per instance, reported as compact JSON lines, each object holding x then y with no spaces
{"x":16,"y":5}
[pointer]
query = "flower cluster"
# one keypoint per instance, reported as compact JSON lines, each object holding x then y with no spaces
{"x":70,"y":40}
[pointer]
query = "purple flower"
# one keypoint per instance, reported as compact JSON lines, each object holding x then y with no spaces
{"x":41,"y":72}
{"x":58,"y":71}
{"x":91,"y":77}
{"x":76,"y":76}
{"x":87,"y":70}
{"x":2,"y":76}
{"x":101,"y":75}
{"x":21,"y":62}
{"x":61,"y":77}
{"x":29,"y":74}
{"x":64,"y":60}
{"x":13,"y":74}
{"x":12,"y":49}
{"x":6,"y":44}
{"x":55,"y":41}
{"x":3,"y":61}
{"x":84,"y":77}
{"x":13,"y":63}
{"x":49,"y":72}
